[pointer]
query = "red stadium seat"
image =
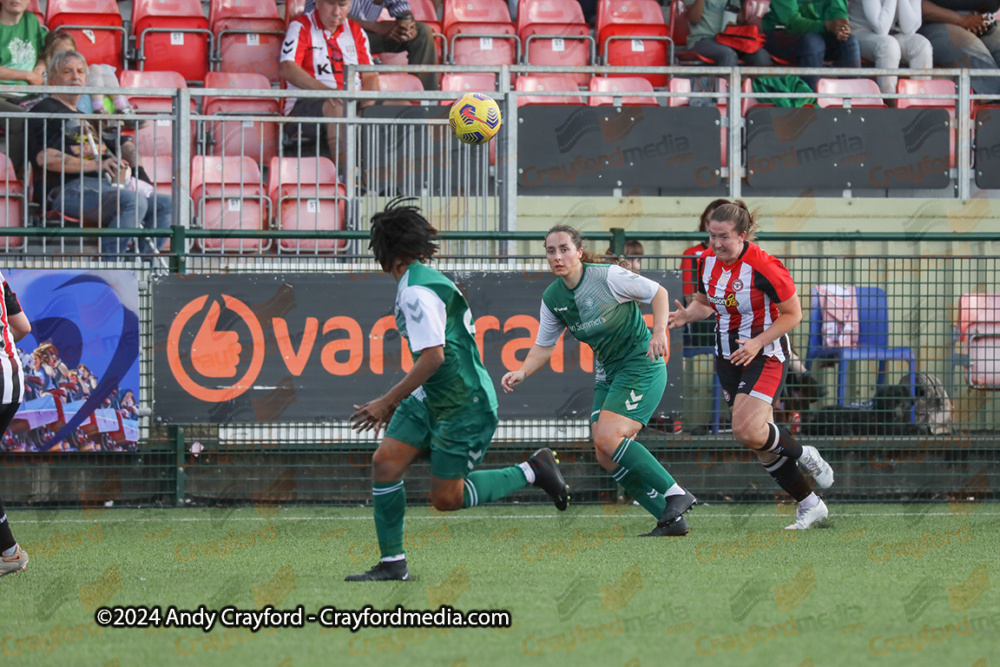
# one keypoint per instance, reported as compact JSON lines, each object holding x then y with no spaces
{"x":161,"y":173}
{"x":227,"y":194}
{"x":547,"y":83}
{"x":979,"y":331}
{"x":255,"y":139}
{"x":305,"y":194}
{"x":618,"y":86}
{"x":930,"y":87}
{"x":492,"y":38}
{"x":862,"y":93}
{"x":468,"y":82}
{"x":293,"y":10}
{"x":12,"y":204}
{"x":554,"y":32}
{"x":96,"y":27}
{"x":248,"y":36}
{"x":632,"y":33}
{"x":400,"y":82}
{"x":36,"y":9}
{"x":172,"y":35}
{"x":155,"y":138}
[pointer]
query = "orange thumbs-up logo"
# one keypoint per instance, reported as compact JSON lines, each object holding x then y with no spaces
{"x":215,"y":353}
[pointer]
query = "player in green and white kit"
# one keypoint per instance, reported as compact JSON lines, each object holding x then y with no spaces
{"x":445,"y":405}
{"x":598,"y":303}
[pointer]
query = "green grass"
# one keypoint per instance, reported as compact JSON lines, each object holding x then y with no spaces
{"x":624,"y":600}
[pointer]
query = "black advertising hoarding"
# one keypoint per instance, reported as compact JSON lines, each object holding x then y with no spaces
{"x":670,"y":150}
{"x":987,"y":128}
{"x":860,"y":149}
{"x":307,"y":347}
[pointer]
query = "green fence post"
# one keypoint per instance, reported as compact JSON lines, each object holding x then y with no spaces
{"x":617,"y":241}
{"x":177,"y":432}
{"x":178,"y":245}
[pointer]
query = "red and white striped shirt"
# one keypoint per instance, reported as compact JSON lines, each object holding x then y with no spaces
{"x":745,"y":296}
{"x":323,"y":54}
{"x":11,"y":370}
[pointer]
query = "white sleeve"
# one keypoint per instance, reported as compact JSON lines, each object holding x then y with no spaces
{"x":909,"y":15}
{"x":426,"y":317}
{"x":628,"y":286}
{"x":290,"y":45}
{"x":880,"y":15}
{"x":549,"y":327}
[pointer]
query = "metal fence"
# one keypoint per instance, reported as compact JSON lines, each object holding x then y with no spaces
{"x":890,"y":435}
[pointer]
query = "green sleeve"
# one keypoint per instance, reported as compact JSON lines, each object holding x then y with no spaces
{"x":796,"y":19}
{"x":835,"y":9}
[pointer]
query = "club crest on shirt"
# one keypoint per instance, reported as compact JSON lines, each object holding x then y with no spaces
{"x":737,"y":285}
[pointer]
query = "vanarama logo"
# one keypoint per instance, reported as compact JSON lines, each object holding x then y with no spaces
{"x":842,"y":144}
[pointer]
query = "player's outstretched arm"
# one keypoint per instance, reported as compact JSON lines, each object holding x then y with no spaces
{"x":659,"y":344}
{"x":697,"y":310}
{"x":537,"y":357}
{"x":374,"y":414}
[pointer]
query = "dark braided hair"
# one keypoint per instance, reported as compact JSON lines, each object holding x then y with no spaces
{"x":401,"y":232}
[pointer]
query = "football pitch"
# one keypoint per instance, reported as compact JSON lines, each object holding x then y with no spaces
{"x":902,"y":584}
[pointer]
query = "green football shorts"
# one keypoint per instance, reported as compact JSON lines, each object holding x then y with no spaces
{"x":457,"y":445}
{"x":635,"y":391}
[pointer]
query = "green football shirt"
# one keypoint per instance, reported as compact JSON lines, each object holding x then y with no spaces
{"x":21,"y":44}
{"x":430,"y":311}
{"x":601,"y":311}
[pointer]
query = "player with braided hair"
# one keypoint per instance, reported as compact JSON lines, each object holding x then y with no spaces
{"x":445,"y":405}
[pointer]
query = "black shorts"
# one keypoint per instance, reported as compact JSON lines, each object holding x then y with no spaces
{"x":764,"y":378}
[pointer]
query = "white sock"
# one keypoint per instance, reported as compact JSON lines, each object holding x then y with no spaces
{"x":674,"y":490}
{"x":393,"y":559}
{"x":10,"y":553}
{"x":809,"y":501}
{"x":529,"y":474}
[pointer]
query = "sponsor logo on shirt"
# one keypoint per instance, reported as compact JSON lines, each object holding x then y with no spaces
{"x":728,"y":300}
{"x":583,"y":326}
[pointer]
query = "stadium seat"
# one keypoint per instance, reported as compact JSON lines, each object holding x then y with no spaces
{"x":618,"y":86}
{"x":248,"y":36}
{"x":480,"y":33}
{"x":547,"y":83}
{"x":155,"y":138}
{"x":293,"y":10}
{"x":255,"y":139}
{"x":468,"y":82}
{"x":872,"y":339}
{"x":227,"y":194}
{"x":96,"y":27}
{"x":305,"y":194}
{"x":172,"y":35}
{"x":979,"y":331}
{"x":554,"y":32}
{"x":424,"y":11}
{"x":13,"y":204}
{"x":861,"y":92}
{"x":161,"y":173}
{"x":400,"y":82}
{"x":930,"y":87}
{"x":632,"y":33}
{"x":36,"y":9}
{"x":683,"y":85}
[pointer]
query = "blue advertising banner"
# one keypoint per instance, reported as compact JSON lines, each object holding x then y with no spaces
{"x":81,"y":362}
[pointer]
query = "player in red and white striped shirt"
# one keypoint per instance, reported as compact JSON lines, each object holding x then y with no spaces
{"x":317,"y":46}
{"x":14,"y":326}
{"x":755,"y":304}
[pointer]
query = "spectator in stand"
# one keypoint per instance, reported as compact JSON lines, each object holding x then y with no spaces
{"x":964,"y":35}
{"x":22,"y":40}
{"x":317,"y":46}
{"x":706,"y":19}
{"x":886,"y":31}
{"x":808,"y":32}
{"x":403,"y":33}
{"x":631,"y":260}
{"x":77,"y":169}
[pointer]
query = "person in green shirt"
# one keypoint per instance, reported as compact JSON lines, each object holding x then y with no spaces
{"x":22,"y":40}
{"x":810,"y":32}
{"x":445,"y":405}
{"x":599,"y":305}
